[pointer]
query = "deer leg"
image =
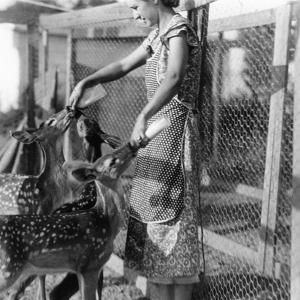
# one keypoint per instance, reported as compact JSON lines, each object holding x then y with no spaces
{"x":19,"y":287}
{"x":69,"y":286}
{"x":100,"y":285}
{"x":66,"y":288}
{"x":88,"y":284}
{"x":42,"y":287}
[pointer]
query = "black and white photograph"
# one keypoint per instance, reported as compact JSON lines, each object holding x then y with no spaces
{"x":149,"y":150}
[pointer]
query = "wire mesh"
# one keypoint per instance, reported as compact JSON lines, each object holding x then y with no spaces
{"x":238,"y":81}
{"x":235,"y":107}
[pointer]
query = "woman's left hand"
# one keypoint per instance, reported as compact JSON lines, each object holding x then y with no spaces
{"x":138,"y":133}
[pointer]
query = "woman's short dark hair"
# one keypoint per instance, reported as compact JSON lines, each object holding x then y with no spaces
{"x":170,"y":3}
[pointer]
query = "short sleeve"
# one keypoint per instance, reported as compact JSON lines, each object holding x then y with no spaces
{"x":148,"y":42}
{"x":181,"y":26}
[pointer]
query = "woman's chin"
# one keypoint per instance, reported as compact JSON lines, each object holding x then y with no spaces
{"x":143,"y":23}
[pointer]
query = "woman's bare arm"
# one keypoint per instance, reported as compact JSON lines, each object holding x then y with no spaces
{"x":110,"y":72}
{"x":168,"y":88}
{"x":119,"y":68}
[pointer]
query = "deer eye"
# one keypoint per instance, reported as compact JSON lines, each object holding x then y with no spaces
{"x":113,"y":162}
{"x":50,"y":122}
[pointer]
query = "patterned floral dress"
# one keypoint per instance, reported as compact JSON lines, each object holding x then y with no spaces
{"x":162,"y":239}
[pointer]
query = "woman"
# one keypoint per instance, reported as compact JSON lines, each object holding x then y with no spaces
{"x":162,"y":240}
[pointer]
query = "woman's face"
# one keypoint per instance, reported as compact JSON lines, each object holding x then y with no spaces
{"x":145,"y":12}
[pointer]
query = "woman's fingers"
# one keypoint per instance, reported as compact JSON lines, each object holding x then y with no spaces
{"x":75,"y":95}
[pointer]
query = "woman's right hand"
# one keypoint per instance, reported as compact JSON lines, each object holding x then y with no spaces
{"x":76,"y":94}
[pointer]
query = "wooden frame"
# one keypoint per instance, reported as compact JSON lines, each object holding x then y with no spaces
{"x":272,"y":171}
{"x":295,"y":228}
{"x":67,"y":139}
{"x":243,"y":21}
{"x":43,"y":54}
{"x":103,"y":13}
{"x":263,"y":259}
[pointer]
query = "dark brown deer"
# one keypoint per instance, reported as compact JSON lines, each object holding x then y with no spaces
{"x":79,"y":242}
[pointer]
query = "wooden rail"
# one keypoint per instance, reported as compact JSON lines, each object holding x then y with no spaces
{"x":105,"y":13}
{"x":242,"y":21}
{"x":295,"y":229}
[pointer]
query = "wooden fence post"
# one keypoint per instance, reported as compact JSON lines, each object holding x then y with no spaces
{"x":295,"y":227}
{"x":43,"y":61}
{"x":31,"y":152}
{"x":273,"y":156}
{"x":67,"y":139}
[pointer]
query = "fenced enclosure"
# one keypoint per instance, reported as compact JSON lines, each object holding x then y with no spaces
{"x":246,"y":105}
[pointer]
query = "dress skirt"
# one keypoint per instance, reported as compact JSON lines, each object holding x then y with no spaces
{"x":168,"y":252}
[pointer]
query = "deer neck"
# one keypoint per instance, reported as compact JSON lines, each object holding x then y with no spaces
{"x":112,"y":201}
{"x":54,"y":160}
{"x":92,"y":148}
{"x":53,"y":179}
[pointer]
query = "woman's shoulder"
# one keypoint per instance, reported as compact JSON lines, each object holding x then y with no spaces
{"x":178,"y":19}
{"x":178,"y":25}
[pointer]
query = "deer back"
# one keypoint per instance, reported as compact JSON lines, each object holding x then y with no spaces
{"x":18,"y":194}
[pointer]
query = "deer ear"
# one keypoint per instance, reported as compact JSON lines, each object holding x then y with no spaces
{"x":111,"y":140}
{"x":84,"y":175}
{"x":24,"y":136}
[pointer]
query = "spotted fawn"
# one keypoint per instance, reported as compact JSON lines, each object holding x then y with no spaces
{"x":53,"y":177}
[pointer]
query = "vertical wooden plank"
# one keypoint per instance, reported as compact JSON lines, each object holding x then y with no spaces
{"x":30,"y":152}
{"x":295,"y":227}
{"x":216,"y":94}
{"x":32,"y":47}
{"x":43,"y":64}
{"x":69,"y":66}
{"x":202,"y":27}
{"x":67,"y":140}
{"x":272,"y":171}
{"x":199,"y":18}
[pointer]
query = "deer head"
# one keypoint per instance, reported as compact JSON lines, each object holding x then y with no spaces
{"x":109,"y":167}
{"x":93,"y":137}
{"x":22,"y":194}
{"x":57,"y":124}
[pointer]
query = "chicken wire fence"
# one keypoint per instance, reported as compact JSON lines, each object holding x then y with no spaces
{"x":117,"y":111}
{"x":246,"y":184}
{"x":235,"y":128}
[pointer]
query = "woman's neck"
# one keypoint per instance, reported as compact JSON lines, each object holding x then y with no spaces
{"x":165,"y":16}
